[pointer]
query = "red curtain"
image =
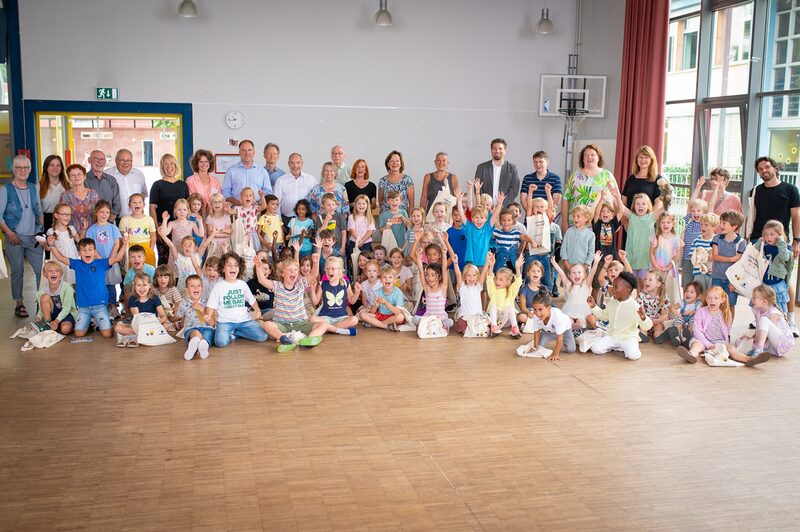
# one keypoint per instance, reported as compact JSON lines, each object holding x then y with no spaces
{"x":643,"y":82}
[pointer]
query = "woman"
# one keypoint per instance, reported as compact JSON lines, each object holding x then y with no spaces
{"x":584,"y":186}
{"x":20,"y":220}
{"x":360,"y":184}
{"x":163,"y":195}
{"x":396,"y":180}
{"x":441,"y":179}
{"x":52,"y":183}
{"x":645,"y":179}
{"x":719,"y":200}
{"x":81,"y":198}
{"x":329,"y":185}
{"x":202,"y":182}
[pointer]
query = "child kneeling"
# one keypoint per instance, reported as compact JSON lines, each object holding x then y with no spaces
{"x":625,"y":319}
{"x":550,"y":324}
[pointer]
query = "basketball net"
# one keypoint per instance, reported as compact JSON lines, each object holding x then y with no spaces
{"x":572,"y":117}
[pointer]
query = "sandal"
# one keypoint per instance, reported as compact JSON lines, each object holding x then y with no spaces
{"x":20,"y":311}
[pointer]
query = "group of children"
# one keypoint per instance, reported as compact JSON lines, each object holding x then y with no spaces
{"x":244,"y":272}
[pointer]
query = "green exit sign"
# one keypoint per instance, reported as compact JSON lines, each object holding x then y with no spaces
{"x":106,"y":93}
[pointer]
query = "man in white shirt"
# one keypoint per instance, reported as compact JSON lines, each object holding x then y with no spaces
{"x":129,"y":179}
{"x":499,"y":175}
{"x":342,"y":170}
{"x":294,"y":186}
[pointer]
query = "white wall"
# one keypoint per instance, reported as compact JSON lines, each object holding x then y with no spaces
{"x":308,"y":74}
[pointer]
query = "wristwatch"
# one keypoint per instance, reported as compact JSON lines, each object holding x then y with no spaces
{"x":796,"y":239}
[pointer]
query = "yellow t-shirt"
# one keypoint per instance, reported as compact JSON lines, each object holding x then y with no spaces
{"x":268,"y":224}
{"x":139,"y":230}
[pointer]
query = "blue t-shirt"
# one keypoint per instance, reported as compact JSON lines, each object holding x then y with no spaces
{"x":334,"y":299}
{"x":726,"y":249}
{"x":104,"y":237}
{"x":528,"y":294}
{"x":296,"y":227}
{"x":395,"y":298}
{"x":151,"y":305}
{"x":398,"y":229}
{"x":477,"y":242}
{"x":146,"y":268}
{"x":458,"y":241}
{"x":90,"y":282}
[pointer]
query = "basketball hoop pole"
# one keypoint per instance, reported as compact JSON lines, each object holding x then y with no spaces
{"x":570,"y":124}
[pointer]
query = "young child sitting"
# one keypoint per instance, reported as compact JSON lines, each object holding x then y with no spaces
{"x":386,"y":312}
{"x":625,"y":319}
{"x":210,"y":275}
{"x":529,"y":291}
{"x":502,"y":291}
{"x":143,"y":299}
{"x":470,"y":288}
{"x":550,"y":324}
{"x":700,"y":253}
{"x":198,"y":334}
{"x":434,"y":285}
{"x":56,"y":299}
{"x":578,"y":288}
{"x":264,"y":296}
{"x":336,"y":293}
{"x":773,"y":333}
{"x":137,"y":262}
{"x":164,"y":282}
{"x":680,"y":333}
{"x":655,"y":304}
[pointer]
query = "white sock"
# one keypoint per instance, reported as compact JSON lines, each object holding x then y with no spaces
{"x":790,"y":315}
{"x":202,"y":348}
{"x":343,"y":332}
{"x":192,"y":349}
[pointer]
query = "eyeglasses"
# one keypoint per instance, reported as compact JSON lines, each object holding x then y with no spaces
{"x":122,"y":160}
{"x":22,"y":168}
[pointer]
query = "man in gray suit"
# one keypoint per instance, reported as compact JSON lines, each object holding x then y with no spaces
{"x":499,"y":175}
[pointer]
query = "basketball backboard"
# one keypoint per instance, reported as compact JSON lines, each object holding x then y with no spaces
{"x":584,"y":94}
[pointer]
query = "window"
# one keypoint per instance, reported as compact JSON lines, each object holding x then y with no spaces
{"x":731,"y":40}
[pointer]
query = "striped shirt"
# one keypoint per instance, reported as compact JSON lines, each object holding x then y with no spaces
{"x":289,"y":305}
{"x":691,"y":233}
{"x":506,"y":239}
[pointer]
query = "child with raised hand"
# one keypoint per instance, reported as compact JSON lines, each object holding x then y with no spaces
{"x":248,"y":213}
{"x":692,"y":230}
{"x":336,"y":293}
{"x":220,"y":219}
{"x":187,"y":257}
{"x":395,"y":219}
{"x":478,"y":233}
{"x":665,"y":253}
{"x":540,"y":206}
{"x":502,"y":290}
{"x":641,"y":226}
{"x":196,"y":215}
{"x":653,"y":299}
{"x":198,"y":334}
{"x":360,"y":226}
{"x":680,"y":332}
{"x":773,"y":333}
{"x":700,"y":253}
{"x":403,"y":277}
{"x":301,"y":227}
{"x":140,"y":228}
{"x":712,"y":324}
{"x":107,"y":240}
{"x":779,"y":254}
{"x":328,"y":218}
{"x":226,"y":307}
{"x":264,"y":296}
{"x":387,"y":311}
{"x":578,"y":288}
{"x":549,"y":324}
{"x":270,"y":225}
{"x":434,"y":284}
{"x":727,"y":248}
{"x":178,"y":229}
{"x":606,"y":223}
{"x":56,"y":299}
{"x":507,"y":240}
{"x":90,"y":284}
{"x":470,"y":287}
{"x":143,"y":299}
{"x":65,"y":237}
{"x":625,"y":320}
{"x":578,"y":243}
{"x":164,"y":282}
{"x":529,"y":292}
{"x":612,"y":270}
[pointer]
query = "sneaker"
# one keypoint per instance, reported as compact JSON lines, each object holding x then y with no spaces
{"x":795,"y":332}
{"x":285,"y":348}
{"x":450,"y":308}
{"x":755,"y":351}
{"x":352,"y":330}
{"x":515,"y":333}
{"x":132,"y":342}
{"x":663,"y":337}
{"x":392,"y":327}
{"x":686,"y":355}
{"x":643,"y":338}
{"x":494,"y":332}
{"x":675,"y":336}
{"x":758,"y":359}
{"x":555,"y":292}
{"x":191,"y":348}
{"x":310,"y":342}
{"x":365,"y":325}
{"x":285,"y":340}
{"x":202,"y":348}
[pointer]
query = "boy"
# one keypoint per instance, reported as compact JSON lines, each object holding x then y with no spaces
{"x":726,"y":248}
{"x":506,"y":238}
{"x":210,"y":275}
{"x":90,"y":282}
{"x":550,"y":324}
{"x":327,"y":246}
{"x":137,"y":258}
{"x":387,"y":312}
{"x":538,"y":206}
{"x":56,"y":299}
{"x":328,"y":218}
{"x":477,"y":232}
{"x":270,"y":225}
{"x":701,"y":269}
{"x":691,"y":231}
{"x":379,"y":254}
{"x":197,"y":333}
{"x":395,"y":218}
{"x":333,"y":312}
{"x":625,"y":319}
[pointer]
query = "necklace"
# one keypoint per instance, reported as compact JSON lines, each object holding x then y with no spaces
{"x":23,"y":198}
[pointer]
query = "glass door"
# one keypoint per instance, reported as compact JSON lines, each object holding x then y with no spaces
{"x":721,"y":128}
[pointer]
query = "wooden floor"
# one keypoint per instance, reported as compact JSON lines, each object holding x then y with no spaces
{"x":387,"y":432}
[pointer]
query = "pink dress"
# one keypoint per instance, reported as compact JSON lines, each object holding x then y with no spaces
{"x":179,"y":231}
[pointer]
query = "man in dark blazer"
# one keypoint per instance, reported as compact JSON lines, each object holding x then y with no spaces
{"x":507,"y":178}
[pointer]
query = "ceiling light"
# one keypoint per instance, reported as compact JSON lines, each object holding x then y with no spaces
{"x":187,"y":9}
{"x":383,"y":18}
{"x":545,"y":25}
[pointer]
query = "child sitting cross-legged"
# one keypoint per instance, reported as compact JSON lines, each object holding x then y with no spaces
{"x":198,"y":334}
{"x":502,"y":290}
{"x":336,"y":293}
{"x":386,"y":312}
{"x":625,"y":319}
{"x":434,"y":285}
{"x":143,"y":299}
{"x":773,"y":333}
{"x":56,"y":299}
{"x":578,"y":288}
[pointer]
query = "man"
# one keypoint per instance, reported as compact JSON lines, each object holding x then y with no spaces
{"x":498,"y":175}
{"x":245,"y":174}
{"x":294,"y":186}
{"x":540,"y":177}
{"x":774,"y":199}
{"x":342,"y":170}
{"x":104,"y":184}
{"x":130,"y":180}
{"x":271,"y":154}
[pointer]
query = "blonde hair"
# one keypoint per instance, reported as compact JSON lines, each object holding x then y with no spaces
{"x":766,"y":293}
{"x":658,"y":223}
{"x":532,"y":265}
{"x":610,"y":206}
{"x":372,"y":262}
{"x":478,"y":210}
{"x":697,"y":202}
{"x":167,"y":157}
{"x":486,"y":199}
{"x":652,"y":170}
{"x":335,"y":262}
{"x":368,"y":212}
{"x":246,"y":189}
{"x":583,"y":210}
{"x":53,"y":265}
{"x":710,"y":218}
{"x":540,"y":201}
{"x":504,"y":272}
{"x":387,"y":269}
{"x":470,"y":267}
{"x":178,"y":203}
{"x":143,"y":277}
{"x":661,"y":289}
{"x":642,"y":195}
{"x":285,"y":263}
{"x":724,"y":306}
{"x":420,"y":210}
{"x":776,"y":226}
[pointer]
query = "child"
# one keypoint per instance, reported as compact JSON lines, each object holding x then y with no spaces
{"x":773,"y":333}
{"x":90,"y":282}
{"x":136,"y":259}
{"x":56,"y":299}
{"x":712,"y":324}
{"x":692,"y":230}
{"x":220,"y":219}
{"x":290,"y":313}
{"x":470,"y":288}
{"x":329,"y":219}
{"x":701,"y":260}
{"x":402,"y":277}
{"x":681,"y":330}
{"x":65,"y":237}
{"x":361,"y":263}
{"x":370,"y":285}
{"x":227,"y":305}
{"x":270,"y":224}
{"x":395,"y":219}
{"x":625,"y":320}
{"x":301,"y":227}
{"x":380,"y":254}
{"x":507,"y":240}
{"x":529,"y":292}
{"x":198,"y":334}
{"x":143,"y":299}
{"x":612,"y":270}
{"x":779,"y":254}
{"x":264,"y":296}
{"x":178,"y":229}
{"x":477,"y":232}
{"x":386,"y":312}
{"x":655,"y":302}
{"x":187,"y":261}
{"x":606,"y":223}
{"x":416,"y":225}
{"x":578,"y":245}
{"x":331,"y":292}
{"x":457,"y":239}
{"x":196,"y":216}
{"x":327,"y":246}
{"x":360,"y":226}
{"x":434,"y":285}
{"x":210,"y":275}
{"x":140,"y":228}
{"x":248,"y":213}
{"x":578,"y":288}
{"x":536,"y":207}
{"x":726,"y":248}
{"x":502,"y":291}
{"x":439,"y":223}
{"x":550,"y":324}
{"x":107,"y":240}
{"x":665,"y":253}
{"x":641,"y":226}
{"x":165,"y":289}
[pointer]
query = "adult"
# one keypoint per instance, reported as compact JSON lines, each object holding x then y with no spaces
{"x":52,"y":183}
{"x":202,"y":181}
{"x":586,"y":183}
{"x":643,"y":179}
{"x":396,"y":180}
{"x":294,"y":186}
{"x":80,"y":198}
{"x":498,"y":175}
{"x":163,"y":195}
{"x":360,"y":184}
{"x":20,"y":219}
{"x":104,"y":184}
{"x":271,"y":154}
{"x":329,"y":185}
{"x":717,"y":197}
{"x":342,"y":170}
{"x":245,"y":173}
{"x":540,"y":177}
{"x":440,"y":179}
{"x":130,"y":180}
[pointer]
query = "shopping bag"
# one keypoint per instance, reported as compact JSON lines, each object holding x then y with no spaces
{"x":539,"y":232}
{"x":588,"y":338}
{"x":748,"y":272}
{"x":388,"y":239}
{"x":149,"y":331}
{"x":354,"y":261}
{"x":527,"y":350}
{"x":477,"y":326}
{"x":431,"y":327}
{"x":443,"y":196}
{"x":718,"y":357}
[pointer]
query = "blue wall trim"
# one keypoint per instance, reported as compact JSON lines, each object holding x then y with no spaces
{"x":15,"y":78}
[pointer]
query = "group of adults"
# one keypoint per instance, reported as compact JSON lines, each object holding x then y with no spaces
{"x":26,"y":209}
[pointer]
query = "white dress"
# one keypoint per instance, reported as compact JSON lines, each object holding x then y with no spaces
{"x":65,"y":244}
{"x":575,"y":305}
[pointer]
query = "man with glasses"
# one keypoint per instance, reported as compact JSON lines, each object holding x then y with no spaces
{"x":130,"y":180}
{"x":342,"y":169}
{"x":102,"y":183}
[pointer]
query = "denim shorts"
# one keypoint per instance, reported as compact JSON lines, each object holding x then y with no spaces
{"x":98,"y":312}
{"x":733,"y":297}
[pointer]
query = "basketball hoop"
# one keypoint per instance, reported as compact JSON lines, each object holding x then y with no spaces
{"x":572,"y":117}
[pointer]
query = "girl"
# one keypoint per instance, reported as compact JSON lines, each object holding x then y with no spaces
{"x":66,"y":237}
{"x":712,"y":324}
{"x":773,"y":242}
{"x":402,"y":274}
{"x":530,"y":290}
{"x":641,"y":222}
{"x":417,"y":221}
{"x":773,"y":333}
{"x":439,"y":223}
{"x":143,"y":300}
{"x":681,"y":330}
{"x":188,"y":258}
{"x":140,"y":228}
{"x":248,"y":213}
{"x":577,"y":246}
{"x":606,"y":223}
{"x":470,"y":287}
{"x":301,"y":227}
{"x":210,"y":275}
{"x":434,"y":285}
{"x":502,"y":291}
{"x":665,"y":254}
{"x":370,"y":285}
{"x":165,"y":289}
{"x":107,"y":241}
{"x":178,"y":229}
{"x":578,"y":288}
{"x":196,"y":214}
{"x":220,"y":219}
{"x":360,"y":226}
{"x":257,"y":285}
{"x":655,"y":303}
{"x":361,"y":263}
{"x":306,"y":268}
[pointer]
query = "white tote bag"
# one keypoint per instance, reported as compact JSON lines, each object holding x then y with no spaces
{"x":748,"y":272}
{"x":388,"y":239}
{"x":443,"y":196}
{"x":149,"y":330}
{"x":539,"y":232}
{"x":431,"y":327}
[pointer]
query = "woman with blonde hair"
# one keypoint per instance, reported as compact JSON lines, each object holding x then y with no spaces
{"x":163,"y":195}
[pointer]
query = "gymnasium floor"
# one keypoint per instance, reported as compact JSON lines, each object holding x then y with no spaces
{"x":387,"y":432}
